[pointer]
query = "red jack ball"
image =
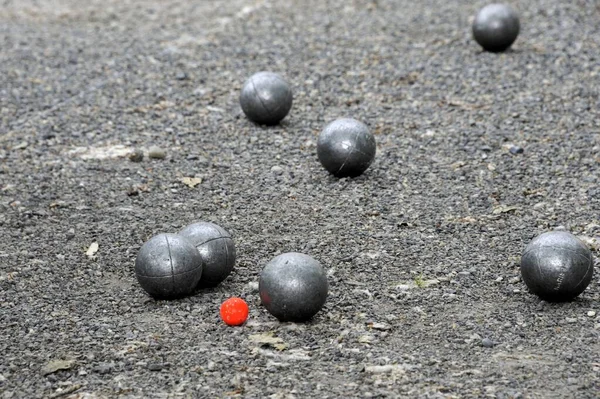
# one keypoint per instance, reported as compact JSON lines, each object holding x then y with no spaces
{"x":234,"y":311}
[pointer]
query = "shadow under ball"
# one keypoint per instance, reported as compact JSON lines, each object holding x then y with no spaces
{"x":216,"y":249}
{"x":266,"y":98}
{"x":293,"y":287}
{"x":496,"y":27}
{"x":168,"y":266}
{"x":557,"y":266}
{"x":346,"y":148}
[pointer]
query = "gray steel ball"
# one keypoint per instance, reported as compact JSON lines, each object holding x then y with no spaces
{"x":266,"y":98}
{"x":216,"y":249}
{"x":496,"y":27}
{"x":346,"y":148}
{"x":293,"y":287}
{"x":168,"y":266}
{"x":557,"y":266}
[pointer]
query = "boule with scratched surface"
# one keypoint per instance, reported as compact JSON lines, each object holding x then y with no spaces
{"x":168,"y":266}
{"x":346,"y":147}
{"x":216,"y":248}
{"x":557,"y":266}
{"x":293,"y":287}
{"x":266,"y":98}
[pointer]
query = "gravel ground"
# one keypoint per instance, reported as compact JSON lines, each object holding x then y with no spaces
{"x":422,"y":251}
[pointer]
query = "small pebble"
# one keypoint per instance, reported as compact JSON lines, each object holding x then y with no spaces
{"x":70,"y":234}
{"x":515,"y":149}
{"x":591,"y":313}
{"x":136,"y":156}
{"x":487,"y":343}
{"x":181,"y":76}
{"x":156,"y":153}
{"x":278,"y":170}
{"x":156,"y":366}
{"x":104,"y":368}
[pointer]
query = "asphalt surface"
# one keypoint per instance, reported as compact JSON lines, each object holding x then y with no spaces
{"x":422,"y":251}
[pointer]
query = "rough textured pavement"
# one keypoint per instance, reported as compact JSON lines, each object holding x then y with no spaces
{"x":422,"y":251}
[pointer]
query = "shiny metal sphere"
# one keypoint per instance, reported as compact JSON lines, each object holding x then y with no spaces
{"x":557,"y":266}
{"x":346,"y":148}
{"x":216,"y":249}
{"x":266,"y":98}
{"x":496,"y":27}
{"x":293,"y":287}
{"x":168,"y":266}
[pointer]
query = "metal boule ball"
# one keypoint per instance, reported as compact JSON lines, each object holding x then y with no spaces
{"x":557,"y":266}
{"x":293,"y":287}
{"x":168,"y":266}
{"x":346,"y":147}
{"x":216,"y":249}
{"x":266,"y":98}
{"x":496,"y":27}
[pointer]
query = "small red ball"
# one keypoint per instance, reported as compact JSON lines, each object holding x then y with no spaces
{"x":234,"y":311}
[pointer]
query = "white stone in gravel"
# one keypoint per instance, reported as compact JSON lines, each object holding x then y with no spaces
{"x":287,"y":356}
{"x":591,"y":313}
{"x":473,"y":338}
{"x":592,"y":227}
{"x":571,"y":320}
{"x":293,"y":326}
{"x":380,"y":326}
{"x":21,"y":146}
{"x":366,"y":339}
{"x":272,"y":364}
{"x":277,"y":170}
{"x":215,"y":109}
{"x":55,"y":365}
{"x":372,"y":254}
{"x":591,"y":242}
{"x":107,"y":152}
{"x":156,"y":152}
